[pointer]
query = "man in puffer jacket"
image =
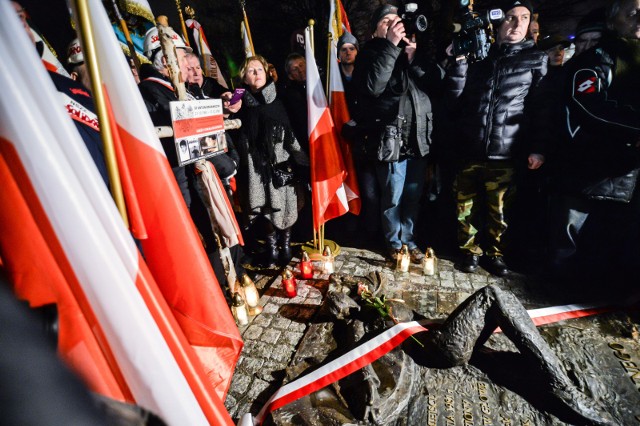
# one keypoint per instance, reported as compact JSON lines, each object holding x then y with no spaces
{"x":391,"y":79}
{"x":599,"y":164}
{"x":499,"y":105}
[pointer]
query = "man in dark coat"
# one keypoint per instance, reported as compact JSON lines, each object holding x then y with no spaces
{"x":500,"y":105}
{"x":391,"y":78}
{"x":599,"y":164}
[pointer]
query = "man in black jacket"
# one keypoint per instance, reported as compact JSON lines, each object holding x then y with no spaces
{"x":391,"y":81}
{"x":599,"y":163}
{"x":499,"y":105}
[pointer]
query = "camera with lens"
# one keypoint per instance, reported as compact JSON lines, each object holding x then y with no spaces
{"x":471,"y":39}
{"x":414,"y":22}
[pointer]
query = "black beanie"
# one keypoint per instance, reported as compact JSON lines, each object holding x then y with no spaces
{"x":595,"y":20}
{"x":380,"y":13}
{"x":507,"y":5}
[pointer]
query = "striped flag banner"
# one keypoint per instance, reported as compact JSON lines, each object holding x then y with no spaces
{"x":384,"y":343}
{"x":173,"y":251}
{"x":83,"y":229}
{"x":339,"y":109}
{"x":328,"y":174}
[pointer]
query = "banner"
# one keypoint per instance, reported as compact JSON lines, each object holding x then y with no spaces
{"x":339,"y":109}
{"x":85,"y":234}
{"x":173,"y":250}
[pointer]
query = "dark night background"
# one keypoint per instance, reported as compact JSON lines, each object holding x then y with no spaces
{"x":272,"y":22}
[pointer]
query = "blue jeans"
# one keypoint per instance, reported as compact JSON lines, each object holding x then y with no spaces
{"x":401,"y":185}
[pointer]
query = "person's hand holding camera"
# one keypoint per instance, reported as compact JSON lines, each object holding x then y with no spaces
{"x":396,"y":31}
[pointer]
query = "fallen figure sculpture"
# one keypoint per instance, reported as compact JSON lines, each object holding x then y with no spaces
{"x":379,"y":394}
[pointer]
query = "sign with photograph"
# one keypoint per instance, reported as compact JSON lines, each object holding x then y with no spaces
{"x":198,"y":129}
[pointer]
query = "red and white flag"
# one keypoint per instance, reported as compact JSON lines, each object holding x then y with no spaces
{"x":338,"y":106}
{"x":78,"y":222}
{"x":328,"y":195}
{"x":173,"y":249}
{"x":211,"y":67}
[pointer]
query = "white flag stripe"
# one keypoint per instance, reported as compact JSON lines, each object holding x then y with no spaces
{"x":115,"y":68}
{"x":315,"y":92}
{"x":248,"y":51}
{"x":87,"y":225}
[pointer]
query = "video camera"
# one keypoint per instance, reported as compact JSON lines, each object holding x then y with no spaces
{"x":414,"y":22}
{"x":471,"y":33}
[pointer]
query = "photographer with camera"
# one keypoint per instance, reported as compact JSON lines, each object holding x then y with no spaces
{"x":396,"y":123}
{"x":501,"y":111}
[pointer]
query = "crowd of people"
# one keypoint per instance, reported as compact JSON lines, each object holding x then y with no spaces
{"x":534,"y":156}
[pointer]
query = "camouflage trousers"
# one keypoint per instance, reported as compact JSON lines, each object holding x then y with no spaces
{"x":482,"y":191}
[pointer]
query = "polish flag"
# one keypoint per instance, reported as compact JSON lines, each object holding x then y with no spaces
{"x":53,"y":173}
{"x":173,"y":249}
{"x":338,"y":107}
{"x":328,"y":194}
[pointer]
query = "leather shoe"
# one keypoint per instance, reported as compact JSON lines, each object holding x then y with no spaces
{"x":496,"y":266}
{"x":470,"y":263}
{"x":416,"y":255}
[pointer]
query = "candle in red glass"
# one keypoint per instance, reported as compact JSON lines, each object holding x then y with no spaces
{"x":289,"y":284}
{"x":306,"y":268}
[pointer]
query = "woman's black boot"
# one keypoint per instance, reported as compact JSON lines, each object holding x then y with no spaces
{"x":271,"y":250}
{"x":284,"y":241}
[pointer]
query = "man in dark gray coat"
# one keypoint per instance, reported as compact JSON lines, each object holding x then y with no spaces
{"x":391,"y":77}
{"x":499,"y":105}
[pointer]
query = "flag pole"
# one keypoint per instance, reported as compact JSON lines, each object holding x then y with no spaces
{"x":318,"y":234}
{"x":91,"y":57}
{"x":326,"y":86}
{"x":246,"y":26}
{"x":182,"y":24}
{"x":127,"y":36}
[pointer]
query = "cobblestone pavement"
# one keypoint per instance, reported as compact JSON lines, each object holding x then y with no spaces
{"x":271,"y":338}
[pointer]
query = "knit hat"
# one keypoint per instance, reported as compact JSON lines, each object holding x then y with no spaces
{"x":552,"y":41}
{"x":347,"y":38}
{"x":380,"y":13}
{"x":592,"y":21}
{"x":507,"y":5}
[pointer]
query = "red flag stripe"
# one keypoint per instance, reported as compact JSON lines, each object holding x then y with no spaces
{"x":78,"y":324}
{"x":136,"y":222}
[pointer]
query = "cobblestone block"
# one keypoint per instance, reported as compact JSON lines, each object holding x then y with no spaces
{"x":281,"y":353}
{"x":270,"y":308}
{"x":291,"y":338}
{"x":263,"y":319}
{"x":280,"y":323}
{"x":240,"y":383}
{"x":251,"y":365}
{"x":447,"y":283}
{"x":230,"y":404}
{"x":271,"y":336}
{"x":297,"y":326}
{"x":253,"y":333}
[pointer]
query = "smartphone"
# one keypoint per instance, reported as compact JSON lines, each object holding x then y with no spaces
{"x":237,"y":95}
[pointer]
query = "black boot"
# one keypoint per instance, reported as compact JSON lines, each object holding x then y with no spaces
{"x":284,"y":242}
{"x":271,"y":250}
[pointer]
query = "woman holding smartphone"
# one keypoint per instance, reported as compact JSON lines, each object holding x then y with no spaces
{"x":268,"y":150}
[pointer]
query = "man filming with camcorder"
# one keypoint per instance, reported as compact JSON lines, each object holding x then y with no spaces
{"x":395,"y":119}
{"x":501,"y":114}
